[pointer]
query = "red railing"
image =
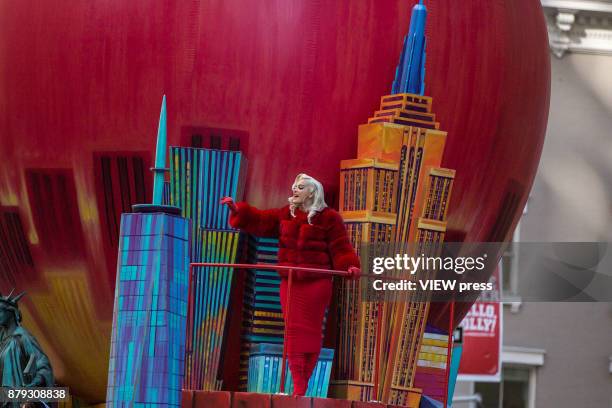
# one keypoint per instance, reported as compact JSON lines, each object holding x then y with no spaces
{"x":331,"y":273}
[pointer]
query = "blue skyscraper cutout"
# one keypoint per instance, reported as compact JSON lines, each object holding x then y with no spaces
{"x":410,"y":72}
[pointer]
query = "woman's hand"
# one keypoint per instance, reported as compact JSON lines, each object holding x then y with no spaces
{"x":229,"y":201}
{"x":354,"y":272}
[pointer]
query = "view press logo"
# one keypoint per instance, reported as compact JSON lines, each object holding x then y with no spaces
{"x":431,"y":285}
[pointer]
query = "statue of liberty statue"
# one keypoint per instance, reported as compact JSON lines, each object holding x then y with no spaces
{"x":22,"y":361}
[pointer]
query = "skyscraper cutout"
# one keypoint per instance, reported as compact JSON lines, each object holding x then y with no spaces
{"x":394,"y":191}
{"x":147,"y":356}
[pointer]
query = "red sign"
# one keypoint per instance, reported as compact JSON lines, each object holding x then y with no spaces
{"x":482,"y":338}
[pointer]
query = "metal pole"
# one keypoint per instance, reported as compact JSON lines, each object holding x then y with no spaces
{"x":297,"y":268}
{"x":282,"y":384}
{"x":276,"y":267}
{"x":449,"y":349}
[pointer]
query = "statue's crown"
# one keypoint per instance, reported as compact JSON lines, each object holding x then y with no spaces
{"x":10,"y":299}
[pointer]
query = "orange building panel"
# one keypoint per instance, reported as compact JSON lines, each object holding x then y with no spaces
{"x":367,"y":185}
{"x":380,"y":141}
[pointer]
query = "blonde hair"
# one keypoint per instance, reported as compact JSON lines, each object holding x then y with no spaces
{"x":318,"y":201}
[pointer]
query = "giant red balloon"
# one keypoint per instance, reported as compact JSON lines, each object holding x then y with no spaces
{"x":81,"y":86}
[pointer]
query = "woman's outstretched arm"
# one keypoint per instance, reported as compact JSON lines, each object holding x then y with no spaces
{"x":262,"y":223}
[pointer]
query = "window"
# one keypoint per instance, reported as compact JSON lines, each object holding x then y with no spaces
{"x":53,"y":201}
{"x":514,"y":391}
{"x":16,"y":263}
{"x":215,"y":138}
{"x":215,"y":141}
{"x":517,"y":388}
{"x":196,"y":140}
{"x":122,"y":179}
{"x":508,"y":266}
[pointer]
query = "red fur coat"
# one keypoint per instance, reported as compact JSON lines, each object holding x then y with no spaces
{"x":324,"y":244}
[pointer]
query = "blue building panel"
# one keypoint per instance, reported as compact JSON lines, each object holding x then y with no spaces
{"x":149,"y":317}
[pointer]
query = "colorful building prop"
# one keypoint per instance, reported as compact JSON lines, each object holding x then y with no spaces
{"x":263,"y":292}
{"x":146,"y":364}
{"x":265,"y":371}
{"x":394,"y":192}
{"x":148,"y":338}
{"x":432,"y":367}
{"x":262,"y":317}
{"x":210,"y":291}
{"x":431,"y":364}
{"x":407,"y":314}
{"x":367,"y":204}
{"x":199,"y":179}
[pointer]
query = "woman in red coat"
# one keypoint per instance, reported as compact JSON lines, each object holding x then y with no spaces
{"x":311,"y":235}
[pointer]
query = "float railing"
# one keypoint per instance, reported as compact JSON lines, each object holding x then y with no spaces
{"x":290,"y":270}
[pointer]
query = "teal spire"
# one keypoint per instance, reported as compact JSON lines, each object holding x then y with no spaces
{"x":160,"y":156}
{"x":410,"y":72}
